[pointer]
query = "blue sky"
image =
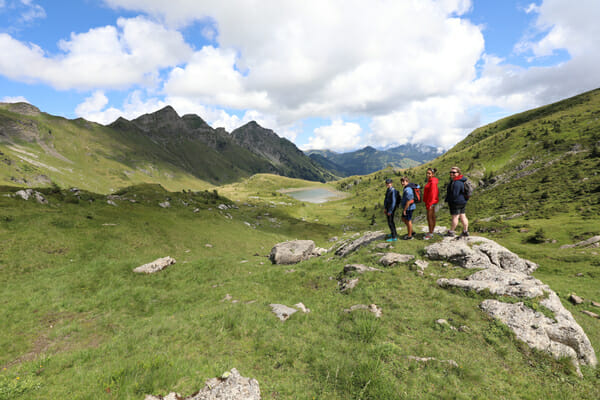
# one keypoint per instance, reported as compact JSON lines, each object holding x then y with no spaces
{"x":335,"y":74}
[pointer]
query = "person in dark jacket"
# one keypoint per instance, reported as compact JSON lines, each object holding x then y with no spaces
{"x":457,"y":202}
{"x":389,"y":207}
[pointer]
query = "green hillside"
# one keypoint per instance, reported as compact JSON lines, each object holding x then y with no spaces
{"x":78,"y":323}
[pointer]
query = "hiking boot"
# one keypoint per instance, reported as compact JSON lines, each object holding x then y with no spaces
{"x":408,"y":237}
{"x":464,"y":234}
{"x":392,"y":239}
{"x":428,"y":236}
{"x":450,"y":234}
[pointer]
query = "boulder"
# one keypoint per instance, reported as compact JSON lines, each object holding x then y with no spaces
{"x":591,"y":242}
{"x":292,"y":252}
{"x":283,"y":312}
{"x":478,"y":252}
{"x":155,"y":266}
{"x":351,"y":246}
{"x":347,"y":284}
{"x":393,"y":258}
{"x":229,"y":386}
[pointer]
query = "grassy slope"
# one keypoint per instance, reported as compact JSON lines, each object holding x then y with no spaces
{"x":78,"y":323}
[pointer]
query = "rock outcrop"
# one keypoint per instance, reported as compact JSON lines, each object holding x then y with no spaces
{"x":505,"y":274}
{"x":294,"y":251}
{"x":390,"y":259}
{"x":351,"y":246}
{"x":229,"y":386}
{"x":478,"y":252}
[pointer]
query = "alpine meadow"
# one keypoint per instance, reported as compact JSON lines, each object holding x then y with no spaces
{"x":83,"y":204}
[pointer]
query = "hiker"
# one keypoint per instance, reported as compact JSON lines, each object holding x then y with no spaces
{"x":431,"y":198}
{"x":408,"y":206}
{"x":389,"y":208}
{"x":457,"y":201}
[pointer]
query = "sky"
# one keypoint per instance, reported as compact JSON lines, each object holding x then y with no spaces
{"x":326,"y":74}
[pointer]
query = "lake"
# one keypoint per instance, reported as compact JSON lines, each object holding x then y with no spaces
{"x":314,"y":195}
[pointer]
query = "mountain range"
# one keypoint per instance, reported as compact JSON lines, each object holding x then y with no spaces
{"x":38,"y":149}
{"x":369,"y":159}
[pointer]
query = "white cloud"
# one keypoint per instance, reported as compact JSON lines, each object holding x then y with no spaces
{"x":14,"y":99}
{"x":32,"y":11}
{"x":339,"y":136}
{"x":105,"y":57}
{"x":93,"y":108}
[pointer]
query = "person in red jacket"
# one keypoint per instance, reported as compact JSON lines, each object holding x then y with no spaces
{"x":431,"y":198}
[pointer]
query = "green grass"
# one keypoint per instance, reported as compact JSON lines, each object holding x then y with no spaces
{"x":78,"y":323}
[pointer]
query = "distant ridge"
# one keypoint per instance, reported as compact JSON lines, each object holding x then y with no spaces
{"x":369,"y":159}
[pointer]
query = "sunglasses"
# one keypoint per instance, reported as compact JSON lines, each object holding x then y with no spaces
{"x":453,"y":172}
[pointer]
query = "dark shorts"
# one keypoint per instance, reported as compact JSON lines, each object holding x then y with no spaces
{"x":457,"y":209}
{"x":408,"y":215}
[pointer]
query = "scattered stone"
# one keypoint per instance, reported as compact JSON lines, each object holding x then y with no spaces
{"x":210,"y":246}
{"x":40,"y":198}
{"x":579,"y":274}
{"x":222,"y":207}
{"x":595,"y":304}
{"x":347,"y":284}
{"x":390,"y":259}
{"x":353,"y":245}
{"x":591,"y":314}
{"x":196,"y":210}
{"x":594,"y":241}
{"x":155,"y":266}
{"x":292,"y":252}
{"x":25,"y":194}
{"x":371,"y":308}
{"x":112,"y":203}
{"x":421,"y":264}
{"x":227,"y":298}
{"x":283,"y":312}
{"x":302,"y":307}
{"x":359,"y":268}
{"x":427,"y":359}
{"x":229,"y":386}
{"x":165,"y":204}
{"x":384,"y":245}
{"x":289,"y":271}
{"x":573,"y":298}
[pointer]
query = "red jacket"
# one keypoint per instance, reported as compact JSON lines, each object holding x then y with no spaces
{"x":431,"y":193}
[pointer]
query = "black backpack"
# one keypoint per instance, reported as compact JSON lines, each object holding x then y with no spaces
{"x":398,"y":198}
{"x":416,"y":191}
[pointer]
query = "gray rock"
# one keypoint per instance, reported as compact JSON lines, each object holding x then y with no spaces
{"x":422,"y":264}
{"x":155,"y":266}
{"x":590,"y":314}
{"x":283,"y":312}
{"x":25,"y":194}
{"x":292,"y":252}
{"x":353,"y":245}
{"x":40,"y":198}
{"x":500,"y":282}
{"x":594,"y":240}
{"x":427,"y":359}
{"x":165,"y":204}
{"x":347,"y":284}
{"x":573,"y":298}
{"x":478,"y":252}
{"x":229,"y":386}
{"x":359,"y":268}
{"x":371,"y":308}
{"x":561,"y":336}
{"x":393,"y":258}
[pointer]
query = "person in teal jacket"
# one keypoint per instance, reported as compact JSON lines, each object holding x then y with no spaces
{"x":408,"y":206}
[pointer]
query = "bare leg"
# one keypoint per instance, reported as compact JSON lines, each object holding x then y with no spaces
{"x":454,"y":223}
{"x":465,"y":222}
{"x":431,"y":219}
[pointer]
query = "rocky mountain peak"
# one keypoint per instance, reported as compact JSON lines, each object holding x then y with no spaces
{"x":21,"y":108}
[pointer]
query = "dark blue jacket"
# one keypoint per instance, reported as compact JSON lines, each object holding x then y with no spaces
{"x":390,"y":203}
{"x":455,"y":192}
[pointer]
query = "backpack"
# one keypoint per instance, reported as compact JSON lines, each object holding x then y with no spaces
{"x":468,"y":190}
{"x":416,"y":191}
{"x":398,"y":198}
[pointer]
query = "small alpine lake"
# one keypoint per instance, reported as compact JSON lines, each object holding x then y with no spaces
{"x":314,"y":195}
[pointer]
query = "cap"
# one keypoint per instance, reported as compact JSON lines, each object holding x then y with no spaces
{"x":388,"y":180}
